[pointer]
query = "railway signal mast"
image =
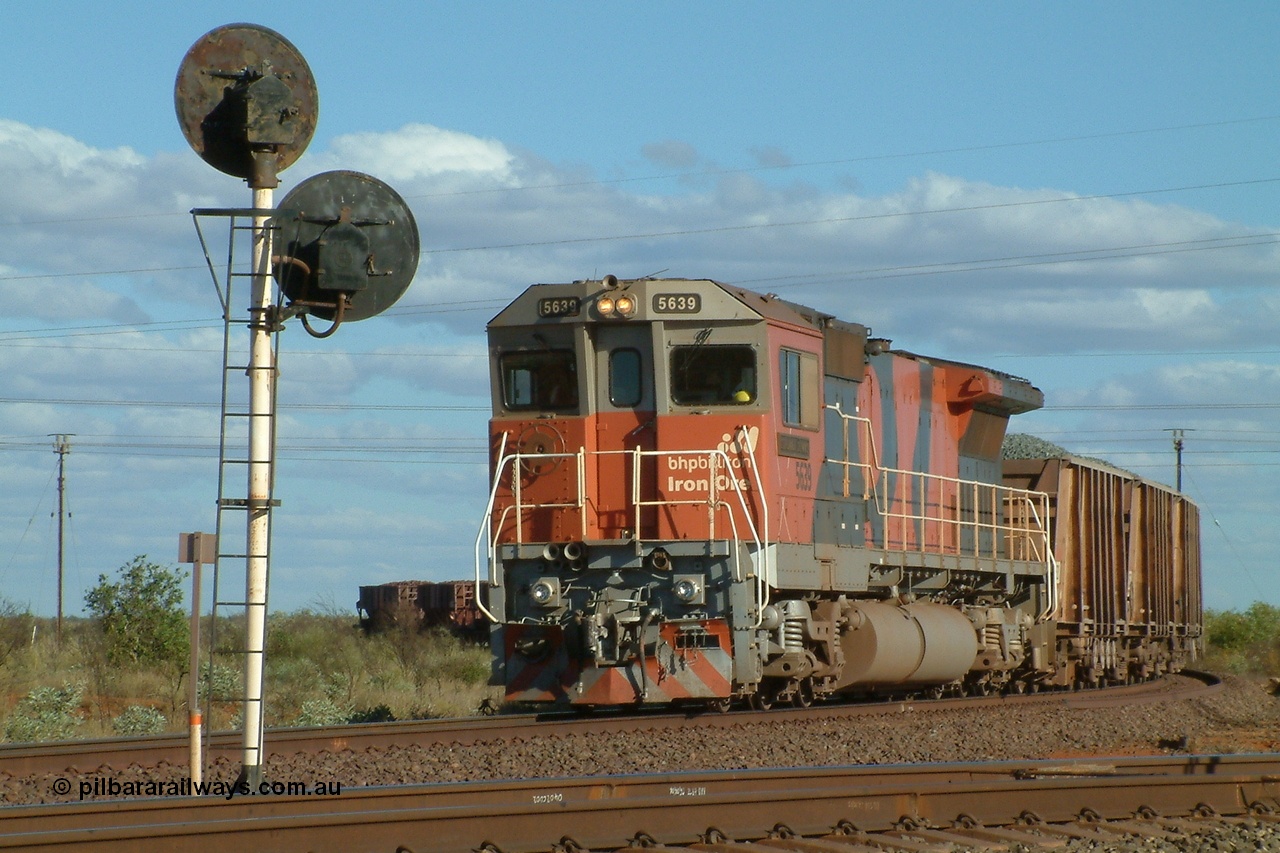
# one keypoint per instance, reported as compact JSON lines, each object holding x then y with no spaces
{"x":247,"y":104}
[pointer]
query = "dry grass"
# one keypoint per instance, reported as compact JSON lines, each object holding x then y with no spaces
{"x":321,"y":668}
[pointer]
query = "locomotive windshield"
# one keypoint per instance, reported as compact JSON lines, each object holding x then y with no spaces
{"x":713,"y":375}
{"x":547,"y":379}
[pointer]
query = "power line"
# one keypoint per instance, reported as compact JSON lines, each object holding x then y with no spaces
{"x":1131,"y":407}
{"x":976,"y":265}
{"x":404,"y":407}
{"x":694,"y":173}
{"x":882,"y":272}
{"x":193,"y":404}
{"x":838,"y":219}
{"x":479,"y":354}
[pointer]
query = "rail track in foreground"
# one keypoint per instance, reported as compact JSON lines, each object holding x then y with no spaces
{"x":93,"y":756}
{"x":1039,"y":804}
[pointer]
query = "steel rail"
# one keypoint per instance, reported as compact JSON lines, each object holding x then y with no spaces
{"x":607,"y":813}
{"x":85,"y":756}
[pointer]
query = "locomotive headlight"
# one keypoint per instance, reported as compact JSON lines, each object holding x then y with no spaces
{"x":545,"y":592}
{"x":605,"y":305}
{"x":625,"y":305}
{"x":688,"y":589}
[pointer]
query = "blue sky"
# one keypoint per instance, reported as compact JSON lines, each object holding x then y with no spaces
{"x":1082,"y":194}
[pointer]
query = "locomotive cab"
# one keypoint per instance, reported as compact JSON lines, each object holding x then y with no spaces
{"x":624,"y":515}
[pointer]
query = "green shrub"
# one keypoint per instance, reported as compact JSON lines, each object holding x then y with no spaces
{"x":380,"y":714}
{"x":46,"y":713}
{"x":321,"y":712}
{"x":141,"y":616}
{"x":221,"y":683}
{"x":17,"y":629}
{"x":1243,"y":643}
{"x":139,"y":720}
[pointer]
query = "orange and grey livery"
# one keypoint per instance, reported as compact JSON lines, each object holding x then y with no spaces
{"x":702,"y":493}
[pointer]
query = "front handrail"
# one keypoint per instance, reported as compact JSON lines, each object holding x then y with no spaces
{"x":486,"y":528}
{"x":712,"y":500}
{"x":717,"y":461}
{"x":765,"y":573}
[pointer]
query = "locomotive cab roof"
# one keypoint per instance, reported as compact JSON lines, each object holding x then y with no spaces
{"x":846,"y":345}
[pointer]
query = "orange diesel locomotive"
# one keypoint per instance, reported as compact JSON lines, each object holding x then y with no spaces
{"x":701,"y":493}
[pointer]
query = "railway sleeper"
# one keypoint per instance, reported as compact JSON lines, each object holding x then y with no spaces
{"x":814,"y":845}
{"x":909,"y":837}
{"x":992,"y":835}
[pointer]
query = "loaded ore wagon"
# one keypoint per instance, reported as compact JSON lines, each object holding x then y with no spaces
{"x":1130,"y":604}
{"x":422,"y":604}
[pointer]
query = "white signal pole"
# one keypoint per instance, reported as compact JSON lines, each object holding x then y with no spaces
{"x":247,"y":103}
{"x":262,"y":375}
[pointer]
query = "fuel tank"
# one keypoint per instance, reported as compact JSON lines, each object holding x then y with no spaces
{"x":886,"y":644}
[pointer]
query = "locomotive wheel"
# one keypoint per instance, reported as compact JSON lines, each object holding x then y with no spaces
{"x":802,"y":696}
{"x":763,"y":699}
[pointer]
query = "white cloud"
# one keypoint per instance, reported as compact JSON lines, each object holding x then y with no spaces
{"x":997,"y":278}
{"x":418,"y":152}
{"x":39,"y":154}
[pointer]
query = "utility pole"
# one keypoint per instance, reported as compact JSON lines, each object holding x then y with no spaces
{"x":61,"y":446}
{"x":1177,"y":452}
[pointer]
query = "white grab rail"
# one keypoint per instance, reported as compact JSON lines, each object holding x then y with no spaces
{"x":717,"y":461}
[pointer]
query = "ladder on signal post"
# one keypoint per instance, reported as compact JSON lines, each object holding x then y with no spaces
{"x":230,"y":606}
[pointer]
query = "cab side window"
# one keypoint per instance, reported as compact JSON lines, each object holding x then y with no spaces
{"x":798,"y":373}
{"x":543,"y":380}
{"x":712,"y":375}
